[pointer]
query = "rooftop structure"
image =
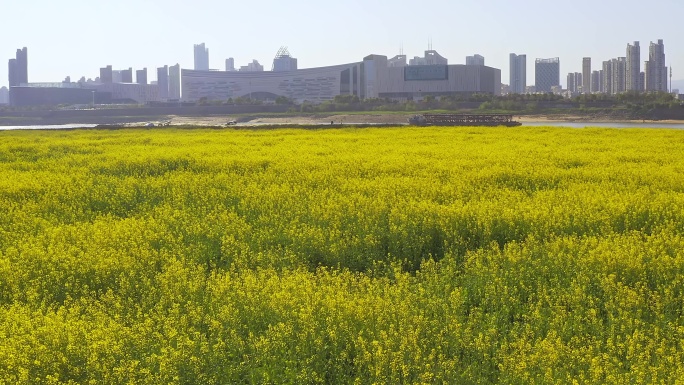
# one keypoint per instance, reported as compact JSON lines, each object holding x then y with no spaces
{"x":283,"y":61}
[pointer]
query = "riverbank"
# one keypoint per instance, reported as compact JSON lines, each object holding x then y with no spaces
{"x":264,"y":119}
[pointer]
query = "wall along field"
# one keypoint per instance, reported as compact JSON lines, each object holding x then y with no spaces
{"x":407,"y":255}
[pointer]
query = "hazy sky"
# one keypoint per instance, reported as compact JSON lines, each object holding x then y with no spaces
{"x":77,"y":37}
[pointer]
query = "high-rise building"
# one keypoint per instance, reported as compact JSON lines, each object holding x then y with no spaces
{"x":22,"y":65}
{"x":175,"y":82}
{"x":18,"y":68}
{"x":619,"y":72}
{"x":106,"y":75}
{"x":12,"y":73}
{"x":518,"y":73}
{"x":655,"y":70}
{"x":163,"y":82}
{"x":546,"y":74}
{"x":607,"y":77}
{"x":595,"y":82}
{"x":230,"y":64}
{"x":475,"y":60}
{"x":127,"y":76}
{"x":586,"y":75}
{"x":633,"y":67}
{"x":141,"y":76}
{"x":201,"y":57}
{"x":574,"y":82}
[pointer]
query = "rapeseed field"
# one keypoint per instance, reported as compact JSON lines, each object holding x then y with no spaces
{"x":342,"y":256}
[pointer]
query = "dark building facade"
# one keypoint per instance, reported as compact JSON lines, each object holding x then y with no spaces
{"x":106,"y":75}
{"x":127,"y":76}
{"x":52,"y":96}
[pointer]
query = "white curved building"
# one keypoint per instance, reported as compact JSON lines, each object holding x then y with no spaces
{"x":370,"y":78}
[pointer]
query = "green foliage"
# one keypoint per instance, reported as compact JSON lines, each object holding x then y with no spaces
{"x":407,"y":255}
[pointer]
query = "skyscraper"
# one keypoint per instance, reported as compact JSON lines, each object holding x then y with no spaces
{"x":163,"y":82}
{"x":475,"y":60}
{"x":518,"y":73}
{"x":633,"y":67}
{"x":607,"y":77}
{"x":656,"y":72}
{"x":175,"y":82}
{"x":618,"y":71}
{"x":18,"y":68}
{"x":12,"y":73}
{"x":22,"y":65}
{"x":586,"y":75}
{"x":201,"y":57}
{"x":546,"y":74}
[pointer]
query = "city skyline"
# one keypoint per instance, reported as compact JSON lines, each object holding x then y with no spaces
{"x":492,"y":29}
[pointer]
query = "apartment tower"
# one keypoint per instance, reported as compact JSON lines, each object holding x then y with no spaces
{"x":518,"y":71}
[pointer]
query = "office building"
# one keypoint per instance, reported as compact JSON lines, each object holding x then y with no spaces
{"x":141,"y":76}
{"x":475,"y":60}
{"x":372,"y":77}
{"x":175,"y":82}
{"x":106,"y":76}
{"x":163,"y":82}
{"x":655,"y":70}
{"x":230,"y":64}
{"x":126,"y":76}
{"x":586,"y":75}
{"x":12,"y":73}
{"x":633,"y":73}
{"x":201,"y":57}
{"x":18,"y":68}
{"x":546,"y":74}
{"x":22,"y":66}
{"x":518,"y":73}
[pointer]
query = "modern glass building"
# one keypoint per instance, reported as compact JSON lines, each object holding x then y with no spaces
{"x":546,"y":74}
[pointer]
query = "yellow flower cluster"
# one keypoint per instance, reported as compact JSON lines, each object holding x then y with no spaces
{"x":350,"y":256}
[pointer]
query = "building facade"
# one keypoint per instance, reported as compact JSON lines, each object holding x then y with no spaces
{"x":163,"y":82}
{"x":475,"y":60}
{"x":371,"y":78}
{"x":175,"y":82}
{"x":546,"y":74}
{"x":518,"y":73}
{"x":141,"y":76}
{"x":655,"y":70}
{"x":633,"y":72}
{"x":201,"y":54}
{"x":230,"y":64}
{"x":586,"y":75}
